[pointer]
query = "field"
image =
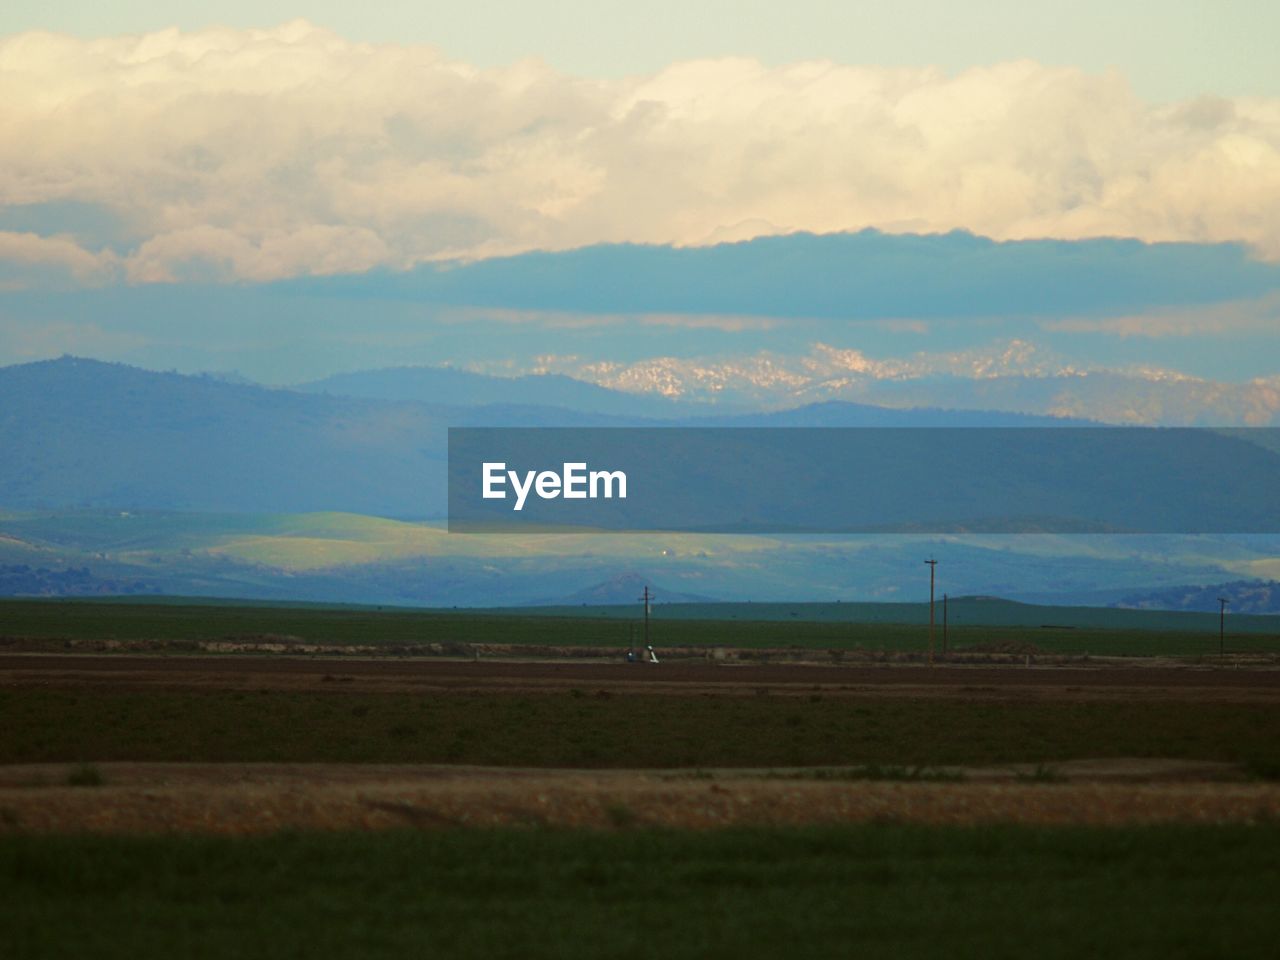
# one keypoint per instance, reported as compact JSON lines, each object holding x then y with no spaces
{"x":618,"y":715}
{"x":975,"y":623}
{"x":384,"y":797}
{"x":889,"y":891}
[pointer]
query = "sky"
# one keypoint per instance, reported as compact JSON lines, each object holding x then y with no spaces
{"x":157,"y":159}
{"x":1172,"y":50}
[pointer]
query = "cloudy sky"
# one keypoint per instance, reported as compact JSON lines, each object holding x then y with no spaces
{"x":192,"y":147}
{"x":1176,"y":50}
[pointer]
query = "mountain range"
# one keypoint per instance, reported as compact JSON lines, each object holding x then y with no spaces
{"x":118,"y":479}
{"x":1105,"y":329}
{"x":89,"y":434}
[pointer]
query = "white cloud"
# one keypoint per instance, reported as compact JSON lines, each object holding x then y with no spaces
{"x":267,"y":153}
{"x":27,"y":257}
{"x":219,"y":253}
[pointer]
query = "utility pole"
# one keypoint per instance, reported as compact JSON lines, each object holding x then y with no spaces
{"x":932,"y":568}
{"x":1222,"y":624}
{"x":648,"y":598}
{"x":944,"y":625}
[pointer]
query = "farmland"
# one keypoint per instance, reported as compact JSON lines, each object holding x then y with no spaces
{"x":980,"y":623}
{"x":489,"y":783}
{"x":894,"y":891}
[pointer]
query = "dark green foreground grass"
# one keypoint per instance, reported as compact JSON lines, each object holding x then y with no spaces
{"x":589,"y":728}
{"x":863,"y":891}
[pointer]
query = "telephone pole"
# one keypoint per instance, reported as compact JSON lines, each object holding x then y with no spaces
{"x":647,"y":598}
{"x":1222,"y":624}
{"x":932,"y":568}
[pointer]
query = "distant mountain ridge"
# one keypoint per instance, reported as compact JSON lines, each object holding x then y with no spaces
{"x":898,"y":320}
{"x":87,"y":434}
{"x":449,"y":385}
{"x":840,"y":413}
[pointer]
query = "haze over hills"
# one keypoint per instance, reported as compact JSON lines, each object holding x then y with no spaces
{"x":359,"y":559}
{"x":840,"y":413}
{"x":986,"y":379}
{"x":626,"y":589}
{"x":447,"y":385}
{"x":1111,"y":330}
{"x":195,"y":485}
{"x":1242,"y":596}
{"x":94,"y":434}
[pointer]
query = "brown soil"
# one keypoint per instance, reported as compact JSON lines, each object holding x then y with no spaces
{"x":258,"y":798}
{"x":253,"y":798}
{"x":385,"y":675}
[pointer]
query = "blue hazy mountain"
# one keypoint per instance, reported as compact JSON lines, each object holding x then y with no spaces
{"x":81,"y":433}
{"x":516,"y":396}
{"x":836,"y":413}
{"x":447,"y":385}
{"x":1242,"y":596}
{"x":625,"y":589}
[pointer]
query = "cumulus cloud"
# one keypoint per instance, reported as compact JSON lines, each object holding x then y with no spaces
{"x":221,"y":253}
{"x":28,"y":258}
{"x":255,"y":154}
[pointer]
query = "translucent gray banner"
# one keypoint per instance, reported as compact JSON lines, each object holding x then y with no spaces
{"x":865,"y":480}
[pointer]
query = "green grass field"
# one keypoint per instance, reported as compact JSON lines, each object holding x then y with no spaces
{"x":871,"y":627}
{"x":585,"y":728}
{"x":880,"y":890}
{"x":876,"y":891}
